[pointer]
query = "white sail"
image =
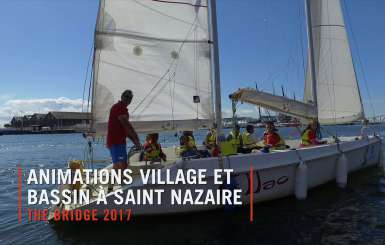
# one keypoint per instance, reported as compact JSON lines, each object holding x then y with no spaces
{"x":276,"y":103}
{"x":161,"y":51}
{"x":338,"y":96}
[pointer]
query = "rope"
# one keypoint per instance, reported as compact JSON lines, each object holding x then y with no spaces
{"x":87,"y":71}
{"x":89,"y":92}
{"x":175,"y":63}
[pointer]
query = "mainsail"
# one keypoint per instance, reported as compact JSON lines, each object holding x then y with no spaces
{"x":161,"y":50}
{"x":338,"y":96}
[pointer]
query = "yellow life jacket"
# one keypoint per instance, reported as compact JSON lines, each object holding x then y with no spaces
{"x":235,"y":140}
{"x":305,"y":139}
{"x":213,"y":137}
{"x":75,"y":165}
{"x":281,"y":140}
{"x":230,"y":147}
{"x":189,"y":146}
{"x":246,"y":139}
{"x":227,"y":148}
{"x":153,"y":153}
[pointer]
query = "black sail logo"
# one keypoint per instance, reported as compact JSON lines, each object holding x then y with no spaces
{"x":265,"y":185}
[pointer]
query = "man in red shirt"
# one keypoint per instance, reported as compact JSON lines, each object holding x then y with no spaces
{"x":119,"y":128}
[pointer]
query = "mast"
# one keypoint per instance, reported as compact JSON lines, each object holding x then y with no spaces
{"x":217,"y":78}
{"x":311,"y":51}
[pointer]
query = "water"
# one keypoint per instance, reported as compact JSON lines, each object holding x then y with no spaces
{"x":355,"y":215}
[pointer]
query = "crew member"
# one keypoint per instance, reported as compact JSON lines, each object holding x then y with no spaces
{"x":153,"y":150}
{"x":271,"y":138}
{"x":211,"y":138}
{"x":309,"y":135}
{"x":187,"y":145}
{"x":235,"y":138}
{"x":119,"y":127}
{"x":249,"y":140}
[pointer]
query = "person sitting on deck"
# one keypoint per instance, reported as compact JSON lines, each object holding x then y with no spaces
{"x":272,"y":139}
{"x":235,"y":139}
{"x":249,"y":141}
{"x":152,"y":149}
{"x":188,"y":146}
{"x":211,"y":138}
{"x":366,"y":130}
{"x":309,"y":135}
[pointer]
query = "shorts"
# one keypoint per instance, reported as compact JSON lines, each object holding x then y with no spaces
{"x":118,"y":153}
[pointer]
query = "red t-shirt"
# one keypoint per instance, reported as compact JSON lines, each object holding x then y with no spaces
{"x":116,"y":135}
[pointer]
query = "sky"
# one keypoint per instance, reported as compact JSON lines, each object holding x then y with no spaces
{"x":45,"y":47}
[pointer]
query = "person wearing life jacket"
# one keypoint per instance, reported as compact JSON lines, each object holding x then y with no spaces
{"x":272,"y":139}
{"x":211,"y":138}
{"x":235,"y":139}
{"x":248,"y":138}
{"x":152,"y":149}
{"x":188,"y":146}
{"x":309,"y":135}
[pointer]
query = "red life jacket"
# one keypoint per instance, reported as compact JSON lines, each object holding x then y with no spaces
{"x":272,"y":139}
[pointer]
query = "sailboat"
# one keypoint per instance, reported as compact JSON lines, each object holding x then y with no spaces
{"x":166,"y":52}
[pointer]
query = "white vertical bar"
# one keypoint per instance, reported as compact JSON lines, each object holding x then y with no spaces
{"x":217,"y":78}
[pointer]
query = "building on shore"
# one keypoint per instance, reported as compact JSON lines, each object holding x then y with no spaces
{"x":66,"y":120}
{"x":55,"y":120}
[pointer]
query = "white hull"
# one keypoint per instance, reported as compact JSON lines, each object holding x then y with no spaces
{"x":274,"y":174}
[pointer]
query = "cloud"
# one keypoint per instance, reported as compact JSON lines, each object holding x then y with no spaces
{"x":17,"y":107}
{"x":5,"y":97}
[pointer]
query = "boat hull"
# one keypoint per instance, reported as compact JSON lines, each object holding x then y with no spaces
{"x":274,"y":175}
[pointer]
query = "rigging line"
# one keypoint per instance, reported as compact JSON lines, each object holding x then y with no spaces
{"x":171,"y":84}
{"x":193,"y":5}
{"x":168,"y":70}
{"x":301,"y":37}
{"x":172,"y":99}
{"x":89,"y":92}
{"x":174,"y":73}
{"x":145,"y":73}
{"x":85,"y":80}
{"x":166,"y":15}
{"x":350,"y":26}
{"x":152,"y":99}
{"x":171,"y":78}
{"x":161,"y":90}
